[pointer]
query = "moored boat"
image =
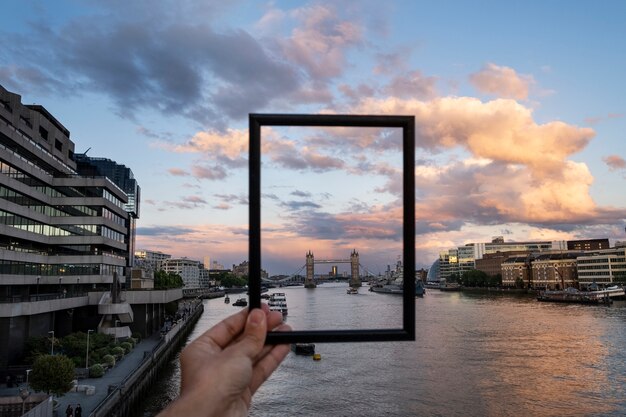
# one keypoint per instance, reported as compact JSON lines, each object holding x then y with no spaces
{"x":352,"y":290}
{"x":573,"y":295}
{"x":305,"y":349}
{"x":241,"y":302}
{"x":227,"y":299}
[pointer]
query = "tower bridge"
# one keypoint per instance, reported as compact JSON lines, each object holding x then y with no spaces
{"x":355,"y":279}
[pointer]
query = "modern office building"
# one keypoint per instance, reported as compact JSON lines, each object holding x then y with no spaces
{"x":604,"y":267}
{"x":65,"y":238}
{"x":463,"y":258}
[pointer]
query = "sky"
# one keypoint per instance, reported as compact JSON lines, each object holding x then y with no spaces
{"x":520,"y":117}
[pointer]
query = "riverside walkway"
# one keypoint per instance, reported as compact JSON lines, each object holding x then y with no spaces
{"x":112,"y":379}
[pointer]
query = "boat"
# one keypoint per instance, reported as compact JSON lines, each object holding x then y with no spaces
{"x":394,"y":283}
{"x":449,"y":286}
{"x":241,"y":302}
{"x":227,"y":299}
{"x":352,"y":290}
{"x":278,"y":302}
{"x":305,"y":349}
{"x":573,"y":295}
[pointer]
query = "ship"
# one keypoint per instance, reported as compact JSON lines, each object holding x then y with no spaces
{"x":278,"y":302}
{"x":393,"y":283}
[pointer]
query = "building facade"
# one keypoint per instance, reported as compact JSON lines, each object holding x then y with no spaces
{"x":188,"y":269}
{"x":65,"y":240}
{"x":603,"y":267}
{"x":62,"y":234}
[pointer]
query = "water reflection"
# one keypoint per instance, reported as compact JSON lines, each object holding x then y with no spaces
{"x":476,"y":355}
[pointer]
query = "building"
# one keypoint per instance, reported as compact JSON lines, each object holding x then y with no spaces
{"x":188,"y":269}
{"x":152,"y":258}
{"x":463,"y":258}
{"x":517,"y":271}
{"x":65,"y":238}
{"x":588,"y":244}
{"x":555,"y":271}
{"x":604,"y":267}
{"x":491,"y":263}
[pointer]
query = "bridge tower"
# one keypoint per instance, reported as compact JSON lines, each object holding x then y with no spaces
{"x":355,"y":279}
{"x":310,"y":270}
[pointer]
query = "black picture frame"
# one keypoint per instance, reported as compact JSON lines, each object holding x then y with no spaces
{"x":407,"y":124}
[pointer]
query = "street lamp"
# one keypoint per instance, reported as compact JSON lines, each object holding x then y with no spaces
{"x":28,"y":371}
{"x":87,"y":354}
{"x":24,"y":395}
{"x":52,"y":344}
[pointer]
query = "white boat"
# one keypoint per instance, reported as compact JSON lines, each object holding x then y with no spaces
{"x":278,"y":302}
{"x":352,"y":290}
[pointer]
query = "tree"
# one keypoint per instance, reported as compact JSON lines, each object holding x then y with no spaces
{"x":475,"y":278}
{"x":229,"y":280}
{"x":166,"y":280}
{"x":52,"y":374}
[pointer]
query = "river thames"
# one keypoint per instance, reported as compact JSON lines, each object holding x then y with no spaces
{"x":475,"y":355}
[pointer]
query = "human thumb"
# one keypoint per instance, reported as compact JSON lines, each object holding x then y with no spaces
{"x":253,"y":338}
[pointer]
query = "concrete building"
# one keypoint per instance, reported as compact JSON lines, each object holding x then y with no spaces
{"x":65,"y":238}
{"x":588,"y":244}
{"x":153,"y":258}
{"x":604,"y":267}
{"x":188,"y":269}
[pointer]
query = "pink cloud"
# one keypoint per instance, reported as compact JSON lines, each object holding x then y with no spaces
{"x":177,"y":172}
{"x":502,"y":82}
{"x":319,"y":44}
{"x":615,"y":162}
{"x":412,"y":85}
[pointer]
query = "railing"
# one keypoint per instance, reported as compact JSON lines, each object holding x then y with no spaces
{"x":41,"y":297}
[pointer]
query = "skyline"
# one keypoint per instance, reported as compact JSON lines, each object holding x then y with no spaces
{"x":519,"y":117}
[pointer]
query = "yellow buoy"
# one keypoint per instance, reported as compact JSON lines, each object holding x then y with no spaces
{"x":317,"y":357}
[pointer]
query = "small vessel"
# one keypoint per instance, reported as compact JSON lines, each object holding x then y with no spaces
{"x":241,"y":302}
{"x":278,"y":302}
{"x":352,"y":290}
{"x":227,"y":299}
{"x":305,"y":349}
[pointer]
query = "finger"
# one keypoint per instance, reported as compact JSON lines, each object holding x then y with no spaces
{"x":251,"y":342}
{"x":224,"y":332}
{"x":265,"y":366}
{"x":281,"y":328}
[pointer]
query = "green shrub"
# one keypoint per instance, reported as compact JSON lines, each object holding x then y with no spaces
{"x":96,"y":371}
{"x":109,"y":359}
{"x":137,"y":336}
{"x":126,"y":346}
{"x":52,"y":374}
{"x":117,"y":351}
{"x":79,"y":361}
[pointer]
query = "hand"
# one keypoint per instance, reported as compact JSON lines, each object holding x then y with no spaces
{"x":223,"y":368}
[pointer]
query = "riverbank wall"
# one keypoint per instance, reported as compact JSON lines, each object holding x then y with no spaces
{"x":124,"y":399}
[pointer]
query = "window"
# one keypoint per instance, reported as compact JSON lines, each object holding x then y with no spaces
{"x":44,"y":133}
{"x":58,"y":144}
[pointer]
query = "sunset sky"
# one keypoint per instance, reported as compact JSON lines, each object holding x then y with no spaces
{"x":520,"y":112}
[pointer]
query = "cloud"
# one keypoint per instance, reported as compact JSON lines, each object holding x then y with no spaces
{"x":177,"y":172}
{"x":520,"y":171}
{"x":300,"y":205}
{"x":162,"y":230}
{"x":412,"y":85}
{"x":615,"y":162}
{"x":318,"y":46}
{"x":303,"y":194}
{"x":153,"y":59}
{"x":215,"y":172}
{"x":502,"y":82}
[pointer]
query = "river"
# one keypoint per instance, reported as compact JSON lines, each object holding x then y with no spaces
{"x":475,"y":355}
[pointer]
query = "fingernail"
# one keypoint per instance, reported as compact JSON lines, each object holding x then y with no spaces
{"x":256,"y":316}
